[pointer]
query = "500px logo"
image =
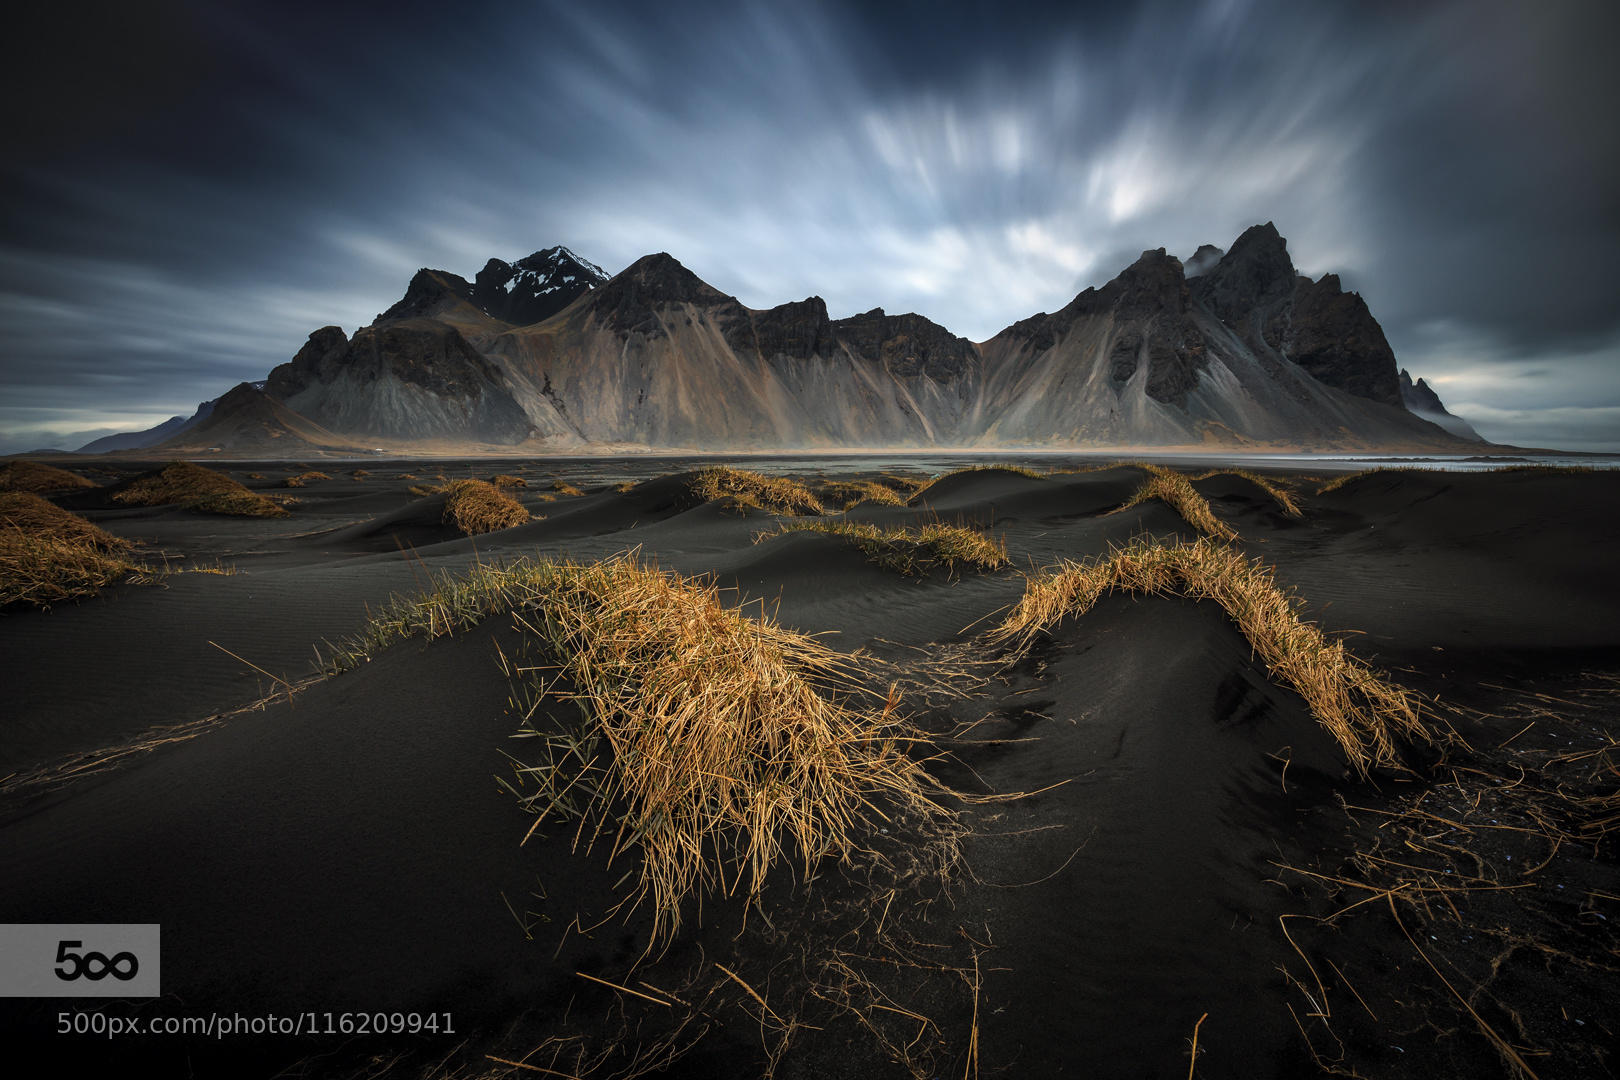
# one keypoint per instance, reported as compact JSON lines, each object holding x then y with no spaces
{"x":93,"y":965}
{"x":80,"y":960}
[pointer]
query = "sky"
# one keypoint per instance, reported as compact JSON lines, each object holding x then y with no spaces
{"x":187,"y":190}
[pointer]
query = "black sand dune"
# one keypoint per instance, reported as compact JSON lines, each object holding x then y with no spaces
{"x":349,"y":848}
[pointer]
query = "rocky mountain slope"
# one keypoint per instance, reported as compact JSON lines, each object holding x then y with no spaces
{"x":548,"y":353}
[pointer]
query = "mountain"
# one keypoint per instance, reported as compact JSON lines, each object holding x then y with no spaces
{"x":247,"y":420}
{"x":1422,"y":401}
{"x":138,"y":440}
{"x":548,"y":354}
{"x":413,"y":378}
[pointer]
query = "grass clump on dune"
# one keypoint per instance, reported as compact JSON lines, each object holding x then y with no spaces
{"x":718,"y":745}
{"x":36,"y":477}
{"x":848,"y":493}
{"x":306,"y":478}
{"x":182,"y":483}
{"x":778,"y":494}
{"x":563,"y":487}
{"x":1365,"y":714}
{"x":48,"y":555}
{"x":477,"y":506}
{"x":507,"y":480}
{"x":1176,"y":491}
{"x":908,"y":552}
{"x":1279,"y":494}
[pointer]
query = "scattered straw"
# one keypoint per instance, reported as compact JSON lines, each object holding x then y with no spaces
{"x":1364,"y":714}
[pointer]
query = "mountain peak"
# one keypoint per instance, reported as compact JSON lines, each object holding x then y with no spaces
{"x":1203,"y":260}
{"x":1255,"y":275}
{"x":1154,"y":282}
{"x":535,"y":287}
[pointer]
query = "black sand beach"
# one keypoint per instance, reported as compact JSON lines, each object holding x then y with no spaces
{"x":1162,"y":851}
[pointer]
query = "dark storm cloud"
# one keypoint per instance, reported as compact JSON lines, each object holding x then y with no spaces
{"x":196,"y":187}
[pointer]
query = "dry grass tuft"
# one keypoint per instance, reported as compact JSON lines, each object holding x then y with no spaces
{"x":1363,"y":713}
{"x":1279,"y":494}
{"x":777,"y":494}
{"x":848,"y":493}
{"x":908,"y":552}
{"x":48,"y":555}
{"x":562,"y":487}
{"x":507,"y":480}
{"x":477,"y":506}
{"x":183,"y":483}
{"x":360,"y":474}
{"x":36,"y":477}
{"x":717,"y":744}
{"x":1176,"y":491}
{"x":306,"y":478}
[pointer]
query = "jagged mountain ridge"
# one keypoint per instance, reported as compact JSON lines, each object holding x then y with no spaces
{"x":1246,"y":353}
{"x":1421,"y":400}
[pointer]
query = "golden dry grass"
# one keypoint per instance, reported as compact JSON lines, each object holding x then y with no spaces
{"x":360,"y":474}
{"x":1177,"y":492}
{"x":48,"y":555}
{"x":183,"y":483}
{"x":848,"y":493}
{"x":718,"y":745}
{"x":36,"y":477}
{"x":306,"y":478}
{"x":777,"y":494}
{"x":562,"y":487}
{"x":477,"y":506}
{"x":906,"y":551}
{"x":1279,"y":494}
{"x":1365,"y":714}
{"x":507,"y":480}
